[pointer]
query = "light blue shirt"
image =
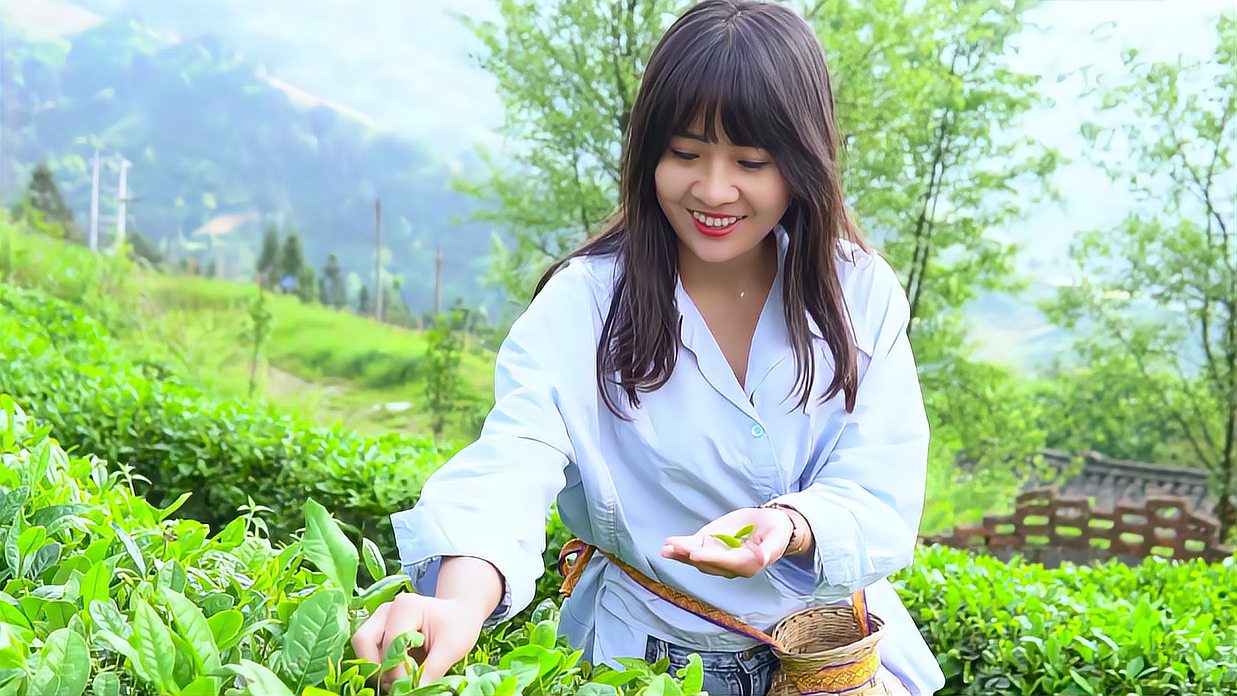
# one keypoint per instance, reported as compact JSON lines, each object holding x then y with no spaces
{"x":697,"y":448}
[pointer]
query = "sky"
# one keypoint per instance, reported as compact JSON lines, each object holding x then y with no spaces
{"x":405,"y":66}
{"x":419,"y":51}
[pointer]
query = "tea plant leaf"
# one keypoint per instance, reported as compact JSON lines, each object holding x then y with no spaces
{"x":134,"y":552}
{"x":315,"y":638}
{"x":225,"y":626}
{"x":94,"y":584}
{"x":397,"y":651}
{"x":728,"y":540}
{"x":663,"y":685}
{"x":43,"y":559}
{"x":260,"y":681}
{"x":193,"y":627}
{"x":380,"y":592}
{"x":12,"y":553}
{"x":375,"y":565}
{"x":152,"y":642}
{"x":693,"y":674}
{"x":595,"y":689}
{"x":106,"y":615}
{"x":12,"y":503}
{"x":202,"y":686}
{"x":64,"y":666}
{"x":105,"y":684}
{"x":13,"y":648}
{"x":328,"y":549}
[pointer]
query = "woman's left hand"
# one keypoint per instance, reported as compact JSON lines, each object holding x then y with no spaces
{"x":766,"y":543}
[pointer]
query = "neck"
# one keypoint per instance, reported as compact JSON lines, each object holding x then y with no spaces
{"x":748,"y":275}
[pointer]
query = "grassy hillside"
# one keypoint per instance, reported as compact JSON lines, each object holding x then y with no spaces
{"x":329,"y":365}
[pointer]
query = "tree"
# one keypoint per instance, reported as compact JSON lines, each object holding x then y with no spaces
{"x":44,"y":208}
{"x":362,"y":301}
{"x":1160,"y":289}
{"x":291,"y":259}
{"x":567,"y":73}
{"x":445,"y":395}
{"x":306,"y":284}
{"x":268,"y":256}
{"x":334,"y":292}
{"x":935,"y":166}
{"x":934,"y":162}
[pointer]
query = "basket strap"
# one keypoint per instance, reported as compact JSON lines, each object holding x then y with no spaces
{"x":584,"y":552}
{"x":704,"y":610}
{"x":863,"y":617}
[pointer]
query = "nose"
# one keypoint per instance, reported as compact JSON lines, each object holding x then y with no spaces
{"x":715,"y":188}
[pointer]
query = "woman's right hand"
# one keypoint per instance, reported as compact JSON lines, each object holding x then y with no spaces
{"x":450,"y":626}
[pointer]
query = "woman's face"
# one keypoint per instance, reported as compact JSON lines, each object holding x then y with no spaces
{"x":721,"y":199}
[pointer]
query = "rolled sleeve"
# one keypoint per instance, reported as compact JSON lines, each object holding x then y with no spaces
{"x":491,"y":499}
{"x":865,"y":499}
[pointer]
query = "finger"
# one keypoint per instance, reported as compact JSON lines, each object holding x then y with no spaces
{"x":441,"y":658}
{"x":365,"y":642}
{"x":403,"y":618}
{"x":770,"y":550}
{"x":685,"y":542}
{"x":740,"y":561}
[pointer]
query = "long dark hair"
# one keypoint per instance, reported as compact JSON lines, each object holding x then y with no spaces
{"x":763,"y":69}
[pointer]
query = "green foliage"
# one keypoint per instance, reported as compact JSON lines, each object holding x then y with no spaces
{"x":1159,"y":628}
{"x":259,"y":330}
{"x":106,"y":592}
{"x":1156,"y":296}
{"x":1106,"y":405}
{"x":928,"y":174}
{"x":333,"y":291}
{"x":44,"y":206}
{"x":291,"y":259}
{"x":68,"y":371}
{"x":342,"y":364}
{"x":269,"y":254}
{"x":445,"y":395}
{"x":569,"y":69}
{"x":118,"y":87}
{"x":932,"y":195}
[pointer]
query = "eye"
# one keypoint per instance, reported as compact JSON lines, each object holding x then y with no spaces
{"x":685,"y":156}
{"x":749,"y":164}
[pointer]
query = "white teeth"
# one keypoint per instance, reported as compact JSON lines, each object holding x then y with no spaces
{"x":714,"y":222}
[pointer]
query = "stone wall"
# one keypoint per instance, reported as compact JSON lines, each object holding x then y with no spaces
{"x":1049,"y":528}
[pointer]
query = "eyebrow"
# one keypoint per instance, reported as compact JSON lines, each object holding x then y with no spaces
{"x":700,"y":138}
{"x":691,"y":136}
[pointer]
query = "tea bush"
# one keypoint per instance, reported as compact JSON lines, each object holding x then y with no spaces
{"x":1162,"y":627}
{"x":126,"y":408}
{"x":104,"y":593}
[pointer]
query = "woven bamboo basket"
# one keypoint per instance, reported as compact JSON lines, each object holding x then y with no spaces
{"x":826,"y":652}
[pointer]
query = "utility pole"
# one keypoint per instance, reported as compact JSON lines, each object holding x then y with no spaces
{"x":378,"y":258}
{"x":438,"y":282}
{"x":122,"y":197}
{"x":94,"y":207}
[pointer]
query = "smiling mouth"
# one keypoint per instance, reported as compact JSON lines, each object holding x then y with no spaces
{"x":717,"y":222}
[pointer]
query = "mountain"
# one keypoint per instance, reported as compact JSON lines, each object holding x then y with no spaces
{"x":219,"y":148}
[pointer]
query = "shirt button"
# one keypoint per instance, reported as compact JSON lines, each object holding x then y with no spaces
{"x":758,"y":430}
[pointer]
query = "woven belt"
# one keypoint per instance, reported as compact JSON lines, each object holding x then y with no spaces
{"x":572,"y":571}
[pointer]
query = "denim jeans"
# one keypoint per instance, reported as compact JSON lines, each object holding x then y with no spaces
{"x":746,"y":673}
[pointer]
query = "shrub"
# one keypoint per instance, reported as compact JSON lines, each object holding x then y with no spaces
{"x":105,"y":592}
{"x":1163,"y":627}
{"x":126,"y":408}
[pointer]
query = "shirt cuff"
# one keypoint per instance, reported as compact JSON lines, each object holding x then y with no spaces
{"x":838,"y":566}
{"x":424,"y":577}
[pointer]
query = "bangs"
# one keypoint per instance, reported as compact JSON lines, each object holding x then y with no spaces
{"x":721,"y":75}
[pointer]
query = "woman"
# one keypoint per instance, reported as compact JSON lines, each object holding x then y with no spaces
{"x":726,"y":352}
